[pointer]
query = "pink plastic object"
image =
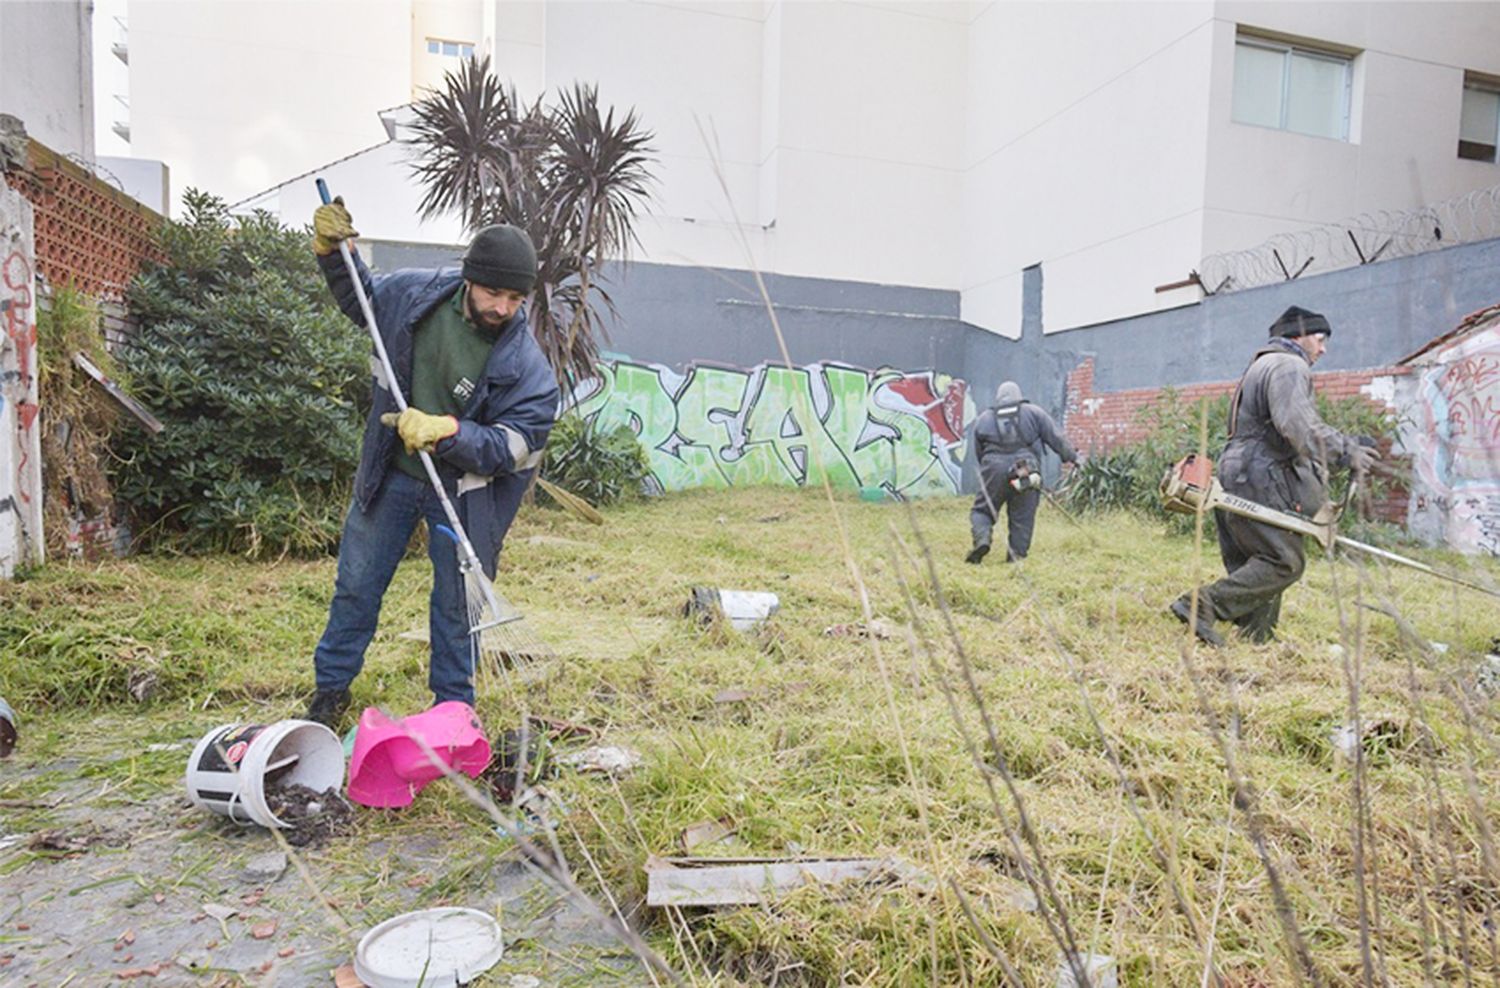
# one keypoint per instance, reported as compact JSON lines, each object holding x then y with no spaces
{"x":388,"y":768}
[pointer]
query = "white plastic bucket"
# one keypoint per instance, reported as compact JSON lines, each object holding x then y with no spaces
{"x":743,"y":609}
{"x":232,"y":764}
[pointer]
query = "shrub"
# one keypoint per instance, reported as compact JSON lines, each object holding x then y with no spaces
{"x":1129,"y":477}
{"x":601,"y":467}
{"x":259,"y":380}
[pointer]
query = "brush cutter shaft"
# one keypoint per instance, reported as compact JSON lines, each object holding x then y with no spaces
{"x":1190,"y":487}
{"x":469,"y":559}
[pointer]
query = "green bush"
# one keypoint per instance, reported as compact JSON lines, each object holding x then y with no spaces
{"x":1130,"y":476}
{"x":259,"y":380}
{"x":600,"y":467}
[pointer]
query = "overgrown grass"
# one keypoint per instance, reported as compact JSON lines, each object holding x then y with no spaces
{"x":841,"y":751}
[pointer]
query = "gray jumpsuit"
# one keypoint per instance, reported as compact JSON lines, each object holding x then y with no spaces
{"x":1278,"y":455}
{"x":1007,"y":437}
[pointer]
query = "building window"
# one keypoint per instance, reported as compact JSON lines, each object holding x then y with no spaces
{"x":1479,"y":121}
{"x":450,"y":49}
{"x":1289,"y":87}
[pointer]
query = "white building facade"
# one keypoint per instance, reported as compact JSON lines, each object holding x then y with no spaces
{"x":934,"y":145}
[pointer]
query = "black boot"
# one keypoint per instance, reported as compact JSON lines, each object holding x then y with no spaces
{"x":976,"y":555}
{"x":327,"y":708}
{"x":1182,"y":609}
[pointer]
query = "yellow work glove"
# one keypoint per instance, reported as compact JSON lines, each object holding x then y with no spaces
{"x":418,"y":430}
{"x":332,"y":225}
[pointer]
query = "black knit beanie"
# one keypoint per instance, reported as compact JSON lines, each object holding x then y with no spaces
{"x":1297,"y":321}
{"x":501,"y":256}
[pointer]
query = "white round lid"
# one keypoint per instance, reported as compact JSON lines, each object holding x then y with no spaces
{"x":431,"y":948}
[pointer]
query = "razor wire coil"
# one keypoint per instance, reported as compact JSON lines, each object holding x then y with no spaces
{"x":1364,"y":239}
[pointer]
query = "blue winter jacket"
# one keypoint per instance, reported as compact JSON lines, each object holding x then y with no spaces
{"x":504,"y":426}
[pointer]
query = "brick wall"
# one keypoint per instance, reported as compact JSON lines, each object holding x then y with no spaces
{"x":87,"y":232}
{"x":1101,"y":421}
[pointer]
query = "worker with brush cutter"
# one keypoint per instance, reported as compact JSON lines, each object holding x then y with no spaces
{"x":1278,"y":455}
{"x":1008,"y":441}
{"x":482,"y":401}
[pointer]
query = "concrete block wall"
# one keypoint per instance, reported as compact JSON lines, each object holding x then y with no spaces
{"x":87,"y":232}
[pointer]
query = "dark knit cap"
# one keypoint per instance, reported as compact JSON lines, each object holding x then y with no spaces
{"x":501,"y":256}
{"x":1297,"y":321}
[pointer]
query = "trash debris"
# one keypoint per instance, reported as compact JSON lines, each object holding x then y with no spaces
{"x":1100,"y":969}
{"x":743,"y":609}
{"x":264,"y":868}
{"x":752,"y":881}
{"x":388,"y":767}
{"x":707,"y":832}
{"x":733,"y":695}
{"x":877,"y":629}
{"x":509,"y":772}
{"x":144,"y":417}
{"x":537,"y":807}
{"x":263,"y":930}
{"x":602,"y":758}
{"x":344,"y":977}
{"x":8,"y":733}
{"x":523,"y":981}
{"x":1441,"y":648}
{"x":443,"y":946}
{"x":562,"y":730}
{"x":1487,"y":677}
{"x":61,"y":842}
{"x":234,"y":768}
{"x":1381,"y":734}
{"x":311,"y":818}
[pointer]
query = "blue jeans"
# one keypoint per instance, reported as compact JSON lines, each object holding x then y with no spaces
{"x":373,"y":542}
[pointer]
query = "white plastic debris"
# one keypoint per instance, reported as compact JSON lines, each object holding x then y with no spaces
{"x":602,"y":758}
{"x":1100,"y":969}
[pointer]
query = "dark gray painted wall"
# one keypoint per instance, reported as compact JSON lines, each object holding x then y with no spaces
{"x":1379,"y":312}
{"x":674,"y":315}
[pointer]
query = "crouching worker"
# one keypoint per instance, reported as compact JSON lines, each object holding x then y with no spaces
{"x":1278,"y":455}
{"x":482,"y":401}
{"x":1008,"y":441}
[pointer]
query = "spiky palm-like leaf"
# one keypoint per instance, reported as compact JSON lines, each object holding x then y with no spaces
{"x":573,"y":175}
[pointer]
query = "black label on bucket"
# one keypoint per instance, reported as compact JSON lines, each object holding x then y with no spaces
{"x":226,"y":750}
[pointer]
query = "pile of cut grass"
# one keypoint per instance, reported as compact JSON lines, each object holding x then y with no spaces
{"x":1098,"y":724}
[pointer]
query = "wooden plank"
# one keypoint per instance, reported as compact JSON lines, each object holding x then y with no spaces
{"x":750,"y":881}
{"x":151,"y":422}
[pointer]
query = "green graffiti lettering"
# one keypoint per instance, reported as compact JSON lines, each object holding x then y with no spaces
{"x":731,"y":427}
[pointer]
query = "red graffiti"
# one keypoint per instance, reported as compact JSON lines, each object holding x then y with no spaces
{"x":1469,"y":374}
{"x":953,"y":410}
{"x":943,"y":417}
{"x":16,"y":273}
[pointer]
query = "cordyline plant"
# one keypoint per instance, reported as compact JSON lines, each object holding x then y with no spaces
{"x":571,"y":175}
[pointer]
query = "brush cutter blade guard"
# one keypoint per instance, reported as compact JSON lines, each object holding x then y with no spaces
{"x":1188,"y":484}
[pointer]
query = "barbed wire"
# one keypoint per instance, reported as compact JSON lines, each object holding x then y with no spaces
{"x":1364,"y":239}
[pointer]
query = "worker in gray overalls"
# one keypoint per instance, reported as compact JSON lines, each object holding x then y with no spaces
{"x":1279,"y":454}
{"x":1008,"y":441}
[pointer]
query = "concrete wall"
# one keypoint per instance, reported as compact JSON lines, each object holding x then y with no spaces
{"x":676,"y":315}
{"x":1449,"y":427}
{"x":1085,"y":144}
{"x":235,"y":97}
{"x":1379,"y":312}
{"x":20,"y":432}
{"x":1404,"y":117}
{"x":47,"y":72}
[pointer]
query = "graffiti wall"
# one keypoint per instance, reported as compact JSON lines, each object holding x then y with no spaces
{"x":20,"y":436}
{"x":1453,"y":434}
{"x":710,"y":426}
